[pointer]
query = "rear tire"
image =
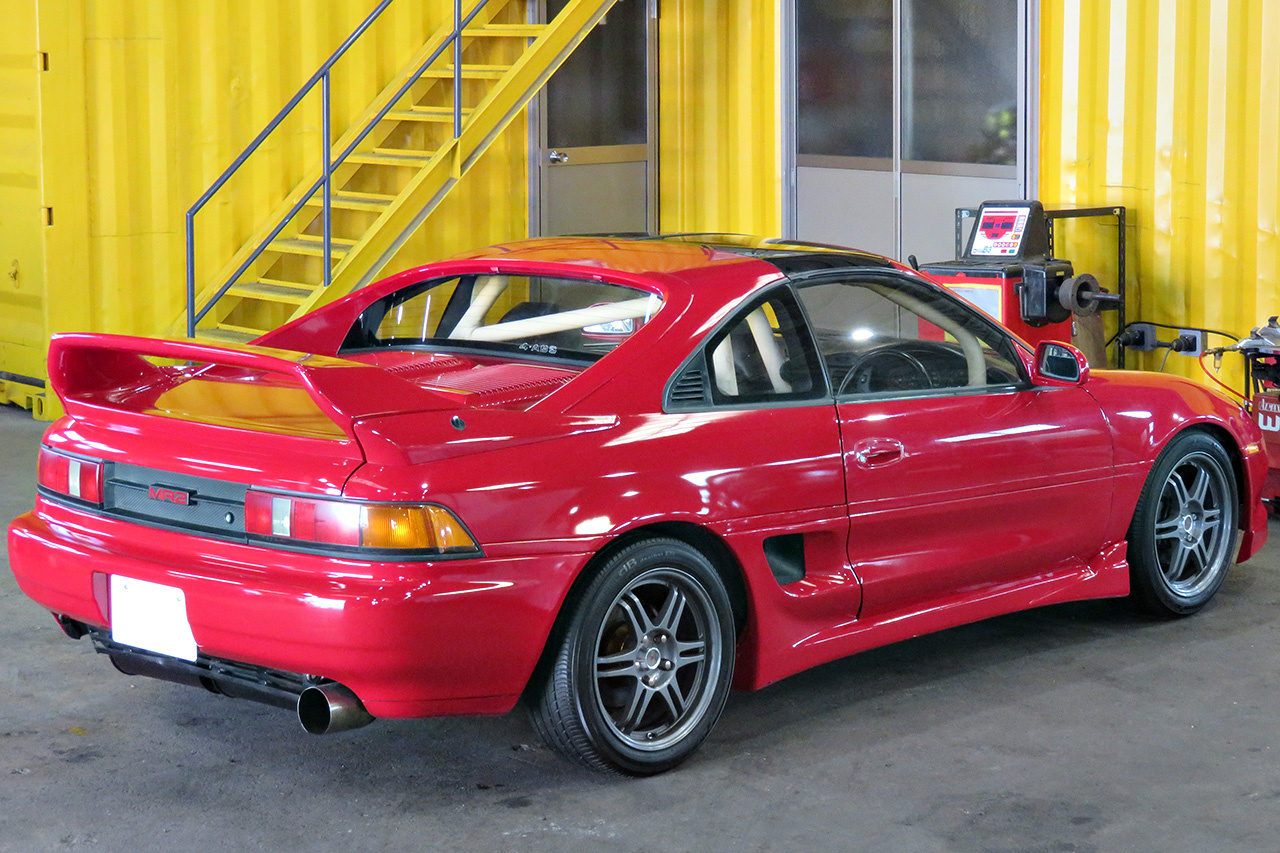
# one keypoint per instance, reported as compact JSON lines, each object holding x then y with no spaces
{"x":1183,"y":535}
{"x":640,"y":673}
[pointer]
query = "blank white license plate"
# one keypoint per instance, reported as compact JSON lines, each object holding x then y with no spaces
{"x":151,"y":616}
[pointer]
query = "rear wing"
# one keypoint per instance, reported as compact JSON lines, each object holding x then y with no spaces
{"x":95,"y":374}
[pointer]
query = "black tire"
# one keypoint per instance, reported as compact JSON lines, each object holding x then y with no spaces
{"x":1183,"y":534}
{"x":639,"y":674}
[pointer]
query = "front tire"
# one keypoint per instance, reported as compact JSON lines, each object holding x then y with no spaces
{"x":1183,"y":535}
{"x":641,"y":672}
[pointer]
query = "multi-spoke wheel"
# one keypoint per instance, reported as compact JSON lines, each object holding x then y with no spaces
{"x":1183,"y":535}
{"x":642,"y":671}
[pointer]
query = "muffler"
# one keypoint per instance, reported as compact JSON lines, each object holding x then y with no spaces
{"x":327,"y":708}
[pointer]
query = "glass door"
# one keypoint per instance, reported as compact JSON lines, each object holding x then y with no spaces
{"x":905,"y":110}
{"x":596,"y":152}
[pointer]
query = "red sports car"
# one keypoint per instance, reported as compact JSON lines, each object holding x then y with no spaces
{"x":612,"y":477}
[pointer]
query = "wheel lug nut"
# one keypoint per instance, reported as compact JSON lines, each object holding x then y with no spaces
{"x":666,"y":665}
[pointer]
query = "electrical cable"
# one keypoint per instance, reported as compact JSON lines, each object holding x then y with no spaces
{"x":1175,"y":328}
{"x":1216,"y":379}
{"x":1111,"y":340}
{"x":1164,"y":360}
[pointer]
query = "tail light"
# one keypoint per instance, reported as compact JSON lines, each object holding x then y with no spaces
{"x":409,"y":528}
{"x":71,"y":476}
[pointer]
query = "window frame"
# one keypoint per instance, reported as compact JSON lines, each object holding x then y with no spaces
{"x":701,"y":359}
{"x":992,"y":331}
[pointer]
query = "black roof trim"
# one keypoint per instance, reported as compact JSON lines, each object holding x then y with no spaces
{"x":789,"y":256}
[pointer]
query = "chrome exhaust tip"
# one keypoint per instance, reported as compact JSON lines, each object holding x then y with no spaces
{"x":327,"y":708}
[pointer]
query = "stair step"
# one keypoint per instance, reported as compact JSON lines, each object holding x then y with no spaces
{"x":228,"y":333}
{"x":348,"y":200}
{"x":441,"y":114}
{"x":392,"y":157}
{"x":506,"y":31}
{"x":273,"y":290}
{"x":469,"y":72}
{"x":311,"y":246}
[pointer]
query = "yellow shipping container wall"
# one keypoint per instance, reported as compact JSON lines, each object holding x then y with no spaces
{"x":22,"y":214}
{"x":1171,"y":108}
{"x":720,"y":108}
{"x":144,"y":103}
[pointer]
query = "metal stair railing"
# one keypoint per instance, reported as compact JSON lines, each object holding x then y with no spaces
{"x":324,"y":182}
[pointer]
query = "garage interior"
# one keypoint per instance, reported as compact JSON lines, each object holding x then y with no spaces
{"x":1081,"y":727}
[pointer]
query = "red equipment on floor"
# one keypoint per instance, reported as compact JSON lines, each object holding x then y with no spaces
{"x":1008,"y":270}
{"x":1261,"y":351}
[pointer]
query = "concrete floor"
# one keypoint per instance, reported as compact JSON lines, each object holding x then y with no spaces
{"x":1073,"y":728}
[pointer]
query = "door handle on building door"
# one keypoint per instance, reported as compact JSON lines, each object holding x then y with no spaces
{"x":558,"y":157}
{"x":874,"y":452}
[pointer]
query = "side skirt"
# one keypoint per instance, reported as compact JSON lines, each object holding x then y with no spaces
{"x":1105,"y":576}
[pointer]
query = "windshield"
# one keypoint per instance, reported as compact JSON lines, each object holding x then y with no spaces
{"x":565,"y":317}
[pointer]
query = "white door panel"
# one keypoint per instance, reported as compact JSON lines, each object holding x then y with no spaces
{"x":847,"y":207}
{"x":928,"y":210}
{"x":594,"y":198}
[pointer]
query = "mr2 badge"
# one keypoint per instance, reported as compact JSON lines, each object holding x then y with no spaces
{"x":169,"y":495}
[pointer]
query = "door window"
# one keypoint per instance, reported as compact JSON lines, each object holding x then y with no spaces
{"x":883,"y":335}
{"x":844,"y":79}
{"x":960,"y":81}
{"x":599,"y":96}
{"x":958,"y":66}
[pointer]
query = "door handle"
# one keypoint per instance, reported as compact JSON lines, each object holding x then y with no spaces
{"x":558,"y":157}
{"x":874,"y":452}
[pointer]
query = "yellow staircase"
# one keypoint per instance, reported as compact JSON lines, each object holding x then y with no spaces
{"x":388,"y":172}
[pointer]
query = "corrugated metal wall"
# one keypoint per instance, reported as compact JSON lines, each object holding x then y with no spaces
{"x":147,"y":101}
{"x":720,"y":139}
{"x":1172,"y":108}
{"x":21,"y":202}
{"x":176,"y":90}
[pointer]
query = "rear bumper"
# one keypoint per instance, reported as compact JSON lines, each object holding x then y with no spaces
{"x":410,"y":639}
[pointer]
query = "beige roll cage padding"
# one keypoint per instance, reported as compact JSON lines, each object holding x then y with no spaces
{"x":563,"y":321}
{"x":490,"y":287}
{"x":722,"y":357}
{"x":974,"y":358}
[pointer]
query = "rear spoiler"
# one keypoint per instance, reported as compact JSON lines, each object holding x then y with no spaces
{"x":92,"y":373}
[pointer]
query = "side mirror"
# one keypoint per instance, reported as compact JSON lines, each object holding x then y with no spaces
{"x":1060,"y":365}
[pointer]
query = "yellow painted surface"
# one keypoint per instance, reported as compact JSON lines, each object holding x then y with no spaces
{"x":22,"y":218}
{"x":145,"y":102}
{"x":1171,"y":108}
{"x":720,"y":142}
{"x":277,"y":408}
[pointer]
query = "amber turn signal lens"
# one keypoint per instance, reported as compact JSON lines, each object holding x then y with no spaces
{"x":414,"y":526}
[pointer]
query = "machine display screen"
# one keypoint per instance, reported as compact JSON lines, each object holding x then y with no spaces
{"x":999,"y":232}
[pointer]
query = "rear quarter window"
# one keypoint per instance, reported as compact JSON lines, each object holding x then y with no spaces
{"x":536,"y":315}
